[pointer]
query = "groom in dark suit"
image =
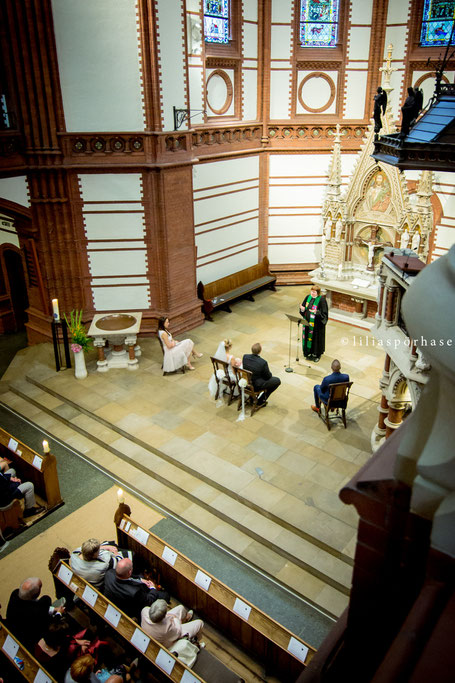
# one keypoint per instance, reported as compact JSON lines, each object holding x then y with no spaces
{"x":262,"y":378}
{"x":321,"y":391}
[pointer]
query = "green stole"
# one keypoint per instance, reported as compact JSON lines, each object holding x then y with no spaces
{"x":309,"y":335}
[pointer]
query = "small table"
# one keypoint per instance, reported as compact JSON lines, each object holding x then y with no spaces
{"x":120,"y":330}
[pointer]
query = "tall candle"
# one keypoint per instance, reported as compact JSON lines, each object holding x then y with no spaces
{"x":46,"y":448}
{"x":55,"y":311}
{"x":120,"y":496}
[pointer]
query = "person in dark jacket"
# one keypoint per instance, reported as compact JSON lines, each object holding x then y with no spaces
{"x":261,"y":376}
{"x":27,"y":614}
{"x":130,"y":593}
{"x":321,"y":391}
{"x":11,"y":487}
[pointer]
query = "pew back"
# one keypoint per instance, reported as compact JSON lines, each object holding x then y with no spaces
{"x":11,"y":648}
{"x":124,"y":625}
{"x":254,"y":631}
{"x":40,"y":469}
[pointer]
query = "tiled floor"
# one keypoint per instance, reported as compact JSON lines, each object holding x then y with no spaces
{"x":281,"y":464}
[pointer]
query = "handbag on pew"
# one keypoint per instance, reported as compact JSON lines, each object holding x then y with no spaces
{"x":185,"y":650}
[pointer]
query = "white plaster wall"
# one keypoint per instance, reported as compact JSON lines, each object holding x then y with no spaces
{"x":361,"y":11}
{"x":250,"y":40}
{"x":316,"y":92}
{"x":359,"y":43}
{"x":8,"y":234}
{"x":196,"y":89}
{"x":250,"y":91}
{"x":281,"y":9}
{"x":110,"y":261}
{"x":226,"y":208}
{"x":98,"y":56}
{"x":250,"y":10}
{"x":280,"y":42}
{"x":280,"y":94}
{"x":217,"y":92}
{"x":398,"y":12}
{"x":356,"y":82}
{"x":15,"y":190}
{"x":171,"y":59}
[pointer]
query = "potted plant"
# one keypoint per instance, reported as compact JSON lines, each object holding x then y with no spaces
{"x":81,"y":342}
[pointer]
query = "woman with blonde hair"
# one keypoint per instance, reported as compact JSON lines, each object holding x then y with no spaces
{"x":223,"y":352}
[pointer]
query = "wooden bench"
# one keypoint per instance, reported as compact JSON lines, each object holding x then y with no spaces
{"x":40,"y":469}
{"x":70,"y":585}
{"x":10,"y":647}
{"x":260,"y":636}
{"x":219,"y":293}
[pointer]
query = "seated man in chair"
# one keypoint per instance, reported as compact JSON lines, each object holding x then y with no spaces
{"x":321,"y":391}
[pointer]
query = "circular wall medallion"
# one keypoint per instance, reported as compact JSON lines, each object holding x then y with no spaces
{"x":323,"y":90}
{"x":219,"y":92}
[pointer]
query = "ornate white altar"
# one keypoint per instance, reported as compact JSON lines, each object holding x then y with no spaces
{"x":120,"y":330}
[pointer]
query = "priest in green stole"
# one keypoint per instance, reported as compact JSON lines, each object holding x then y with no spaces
{"x":314,"y":309}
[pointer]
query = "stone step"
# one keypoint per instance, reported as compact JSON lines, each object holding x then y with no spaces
{"x":295,"y":562}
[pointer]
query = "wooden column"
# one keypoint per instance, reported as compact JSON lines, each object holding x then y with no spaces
{"x":394,"y":417}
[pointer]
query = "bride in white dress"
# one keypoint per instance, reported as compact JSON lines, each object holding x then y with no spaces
{"x":223,"y":353}
{"x":176,"y":353}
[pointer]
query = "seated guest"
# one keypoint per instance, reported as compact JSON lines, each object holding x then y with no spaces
{"x":82,"y":670}
{"x":51,"y":650}
{"x":262,"y":378}
{"x":321,"y":391}
{"x":93,"y":559}
{"x":130,"y":593}
{"x":167,"y":626}
{"x":11,"y":487}
{"x":176,"y":353}
{"x":26,"y":615}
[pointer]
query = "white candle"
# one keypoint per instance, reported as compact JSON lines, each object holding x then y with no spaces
{"x":56,"y":313}
{"x":120,"y":496}
{"x":46,"y":448}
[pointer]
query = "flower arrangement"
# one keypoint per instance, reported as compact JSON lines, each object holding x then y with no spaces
{"x":81,"y":341}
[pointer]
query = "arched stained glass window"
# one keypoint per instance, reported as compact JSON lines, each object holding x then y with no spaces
{"x":437,"y":21}
{"x":216,"y":21}
{"x":319,"y":23}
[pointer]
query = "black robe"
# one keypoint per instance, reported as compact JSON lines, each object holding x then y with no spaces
{"x":320,"y":321}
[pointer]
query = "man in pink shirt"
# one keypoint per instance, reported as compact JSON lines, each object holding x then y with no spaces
{"x":168,"y":626}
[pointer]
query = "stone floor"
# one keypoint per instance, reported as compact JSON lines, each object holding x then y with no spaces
{"x":265,"y":488}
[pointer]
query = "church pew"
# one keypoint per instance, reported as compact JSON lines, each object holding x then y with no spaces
{"x":10,"y":647}
{"x":260,"y":636}
{"x":40,"y":469}
{"x":219,"y":293}
{"x":71,"y":583}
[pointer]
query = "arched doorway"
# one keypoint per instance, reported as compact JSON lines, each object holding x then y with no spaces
{"x":13,"y":290}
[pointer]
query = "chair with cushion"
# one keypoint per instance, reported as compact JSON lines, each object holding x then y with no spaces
{"x":337,"y":401}
{"x":225,"y":384}
{"x":250,"y":394}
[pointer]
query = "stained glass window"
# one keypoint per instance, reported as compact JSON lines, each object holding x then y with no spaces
{"x":437,"y":21}
{"x":319,"y":23}
{"x":216,"y":21}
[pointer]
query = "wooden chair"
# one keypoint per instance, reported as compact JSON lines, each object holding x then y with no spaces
{"x":225,"y":384}
{"x":338,"y":400}
{"x":182,"y":369}
{"x":250,"y":394}
{"x":11,"y":516}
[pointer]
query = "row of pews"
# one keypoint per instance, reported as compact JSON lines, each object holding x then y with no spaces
{"x":261,"y":638}
{"x":40,"y":469}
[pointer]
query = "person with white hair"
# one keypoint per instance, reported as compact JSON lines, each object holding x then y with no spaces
{"x":169,"y":625}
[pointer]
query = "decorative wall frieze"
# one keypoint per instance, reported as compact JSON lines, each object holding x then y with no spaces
{"x":316,"y":132}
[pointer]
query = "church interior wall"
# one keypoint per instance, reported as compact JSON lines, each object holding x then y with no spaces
{"x":226,"y":210}
{"x":15,"y":189}
{"x":108,"y":96}
{"x":8,"y":234}
{"x":171,"y":58}
{"x":115,"y":229}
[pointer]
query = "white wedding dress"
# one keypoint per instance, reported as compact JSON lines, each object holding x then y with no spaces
{"x":221,"y":354}
{"x":177,"y":357}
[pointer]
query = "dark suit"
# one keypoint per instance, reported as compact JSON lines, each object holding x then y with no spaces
{"x":321,"y":391}
{"x":28,"y":619}
{"x":130,"y":595}
{"x":261,"y":376}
